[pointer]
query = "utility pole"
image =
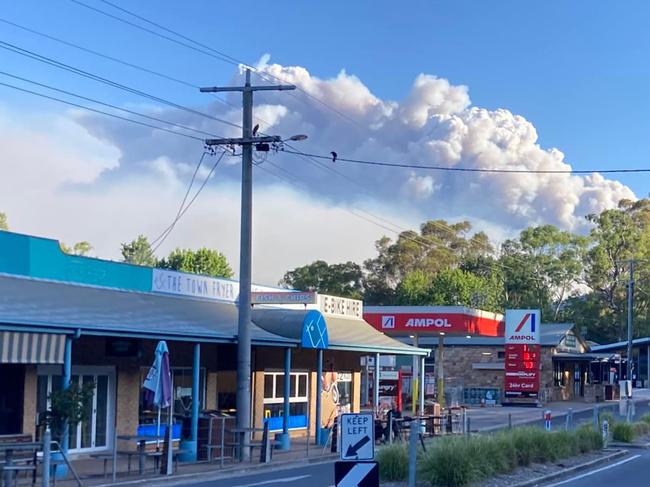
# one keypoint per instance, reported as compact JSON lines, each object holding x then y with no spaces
{"x":244,"y":305}
{"x":630,"y":303}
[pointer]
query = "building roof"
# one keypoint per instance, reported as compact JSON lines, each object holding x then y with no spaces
{"x":26,"y":303}
{"x":637,"y":342}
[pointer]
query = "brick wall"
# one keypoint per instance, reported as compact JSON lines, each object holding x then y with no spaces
{"x":29,"y":401}
{"x":459,"y":366}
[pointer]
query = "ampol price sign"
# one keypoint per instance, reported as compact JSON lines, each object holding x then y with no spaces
{"x":522,"y":354}
{"x":357,"y":437}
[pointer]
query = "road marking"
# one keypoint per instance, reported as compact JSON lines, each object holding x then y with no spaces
{"x":284,"y":480}
{"x":595,"y":471}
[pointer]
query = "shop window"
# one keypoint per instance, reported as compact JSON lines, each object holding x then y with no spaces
{"x":501,"y":355}
{"x":274,"y":399}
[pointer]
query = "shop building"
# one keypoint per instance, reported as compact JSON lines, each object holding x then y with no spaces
{"x":75,"y":319}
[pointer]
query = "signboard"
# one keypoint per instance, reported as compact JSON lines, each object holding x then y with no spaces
{"x":357,"y":437}
{"x":280,"y":297}
{"x":450,"y":323}
{"x":522,"y":326}
{"x":333,"y":305}
{"x":522,"y":354}
{"x":356,"y":474}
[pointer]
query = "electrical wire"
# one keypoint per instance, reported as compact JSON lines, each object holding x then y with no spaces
{"x":206,"y":50}
{"x":70,"y":93}
{"x":167,"y":231}
{"x":60,"y":100}
{"x":80,"y":72}
{"x":469,"y":169}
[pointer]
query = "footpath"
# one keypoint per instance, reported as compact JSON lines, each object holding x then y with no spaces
{"x":490,"y":418}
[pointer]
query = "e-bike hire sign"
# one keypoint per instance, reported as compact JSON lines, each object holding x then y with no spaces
{"x":357,"y":452}
{"x":522,"y":353}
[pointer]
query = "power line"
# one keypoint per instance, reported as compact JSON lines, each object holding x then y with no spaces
{"x":60,"y":100}
{"x":165,"y":233}
{"x":205,"y":49}
{"x":468,"y":169}
{"x":66,"y":67}
{"x":70,"y":93}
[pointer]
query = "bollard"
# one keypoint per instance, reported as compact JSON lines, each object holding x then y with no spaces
{"x":547,"y":420}
{"x":605,"y":433}
{"x":334,"y":447}
{"x":568,"y":420}
{"x":390,"y":429}
{"x":469,"y":421}
{"x":47,"y":442}
{"x":596,"y":415}
{"x":413,"y":452}
{"x":509,"y":421}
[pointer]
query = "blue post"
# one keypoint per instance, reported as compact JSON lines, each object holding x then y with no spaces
{"x":319,"y":387}
{"x":285,"y":442}
{"x":191,"y":445}
{"x":67,"y":376}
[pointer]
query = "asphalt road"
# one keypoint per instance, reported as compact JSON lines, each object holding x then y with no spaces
{"x":630,"y":471}
{"x":317,"y":475}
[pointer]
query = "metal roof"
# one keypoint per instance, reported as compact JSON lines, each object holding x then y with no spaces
{"x":621,"y":345}
{"x":344,"y":333}
{"x":27,"y":303}
{"x":110,"y":312}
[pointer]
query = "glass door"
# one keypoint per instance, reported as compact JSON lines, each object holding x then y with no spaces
{"x":92,"y":433}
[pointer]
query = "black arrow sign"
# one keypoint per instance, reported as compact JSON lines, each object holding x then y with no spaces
{"x":353,"y":450}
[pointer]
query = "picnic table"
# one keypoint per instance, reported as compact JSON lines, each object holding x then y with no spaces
{"x":9,"y":468}
{"x":142,"y":447}
{"x":240,"y":435}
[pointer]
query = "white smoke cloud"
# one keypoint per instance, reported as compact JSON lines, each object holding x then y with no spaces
{"x":83,"y":177}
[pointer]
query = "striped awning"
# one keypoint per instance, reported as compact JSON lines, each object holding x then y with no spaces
{"x":31,"y":348}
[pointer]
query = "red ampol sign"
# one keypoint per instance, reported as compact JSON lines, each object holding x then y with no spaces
{"x":449,"y":323}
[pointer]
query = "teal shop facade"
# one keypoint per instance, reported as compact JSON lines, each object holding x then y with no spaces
{"x":69,"y":319}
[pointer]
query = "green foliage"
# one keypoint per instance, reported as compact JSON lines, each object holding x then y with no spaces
{"x":80,"y":248}
{"x":393,"y":462}
{"x":345,"y":280}
{"x":451,"y":287}
{"x":3,"y":222}
{"x":645,"y":418}
{"x":139,"y":252}
{"x":202,"y":261}
{"x":622,"y":432}
{"x":71,"y":406}
{"x":453,"y":462}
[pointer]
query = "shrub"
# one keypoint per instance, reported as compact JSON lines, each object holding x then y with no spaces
{"x":450,"y":463}
{"x":588,"y":439}
{"x":645,"y":418}
{"x":622,"y":432}
{"x":393,"y":462}
{"x":641,"y":428}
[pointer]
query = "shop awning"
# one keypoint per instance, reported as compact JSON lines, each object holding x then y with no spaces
{"x":56,"y":306}
{"x":343,"y":333}
{"x":31,"y":348}
{"x":585,"y":357}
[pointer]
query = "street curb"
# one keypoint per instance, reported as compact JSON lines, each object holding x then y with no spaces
{"x":212,"y":475}
{"x":640,"y":446}
{"x":570,"y":470}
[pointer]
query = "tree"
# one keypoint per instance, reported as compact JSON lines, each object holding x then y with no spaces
{"x":80,"y":248}
{"x":542,"y":268}
{"x":202,"y":261}
{"x":619,"y":234}
{"x":437,"y":246}
{"x":3,"y":222}
{"x":345,"y":280}
{"x":139,"y":252}
{"x":452,"y":287}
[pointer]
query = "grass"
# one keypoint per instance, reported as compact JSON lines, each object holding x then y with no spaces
{"x":459,"y":461}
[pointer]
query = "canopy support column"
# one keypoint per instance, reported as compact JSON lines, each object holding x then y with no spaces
{"x":415,"y":378}
{"x":285,"y":441}
{"x":192,"y":445}
{"x":67,"y":376}
{"x":440,"y":386}
{"x":319,"y":389}
{"x":422,"y":377}
{"x":375,"y":389}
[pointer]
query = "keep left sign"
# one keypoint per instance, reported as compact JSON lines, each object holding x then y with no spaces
{"x":357,"y":437}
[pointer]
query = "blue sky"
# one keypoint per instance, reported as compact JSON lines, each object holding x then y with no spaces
{"x":578,"y":70}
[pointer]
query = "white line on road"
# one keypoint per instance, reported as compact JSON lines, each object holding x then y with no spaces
{"x":595,"y":471}
{"x":283,"y":480}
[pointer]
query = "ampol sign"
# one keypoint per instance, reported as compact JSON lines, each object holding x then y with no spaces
{"x":523,"y":350}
